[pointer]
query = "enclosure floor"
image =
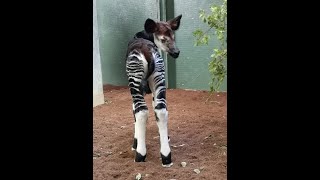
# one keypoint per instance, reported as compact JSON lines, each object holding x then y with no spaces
{"x":197,"y":129}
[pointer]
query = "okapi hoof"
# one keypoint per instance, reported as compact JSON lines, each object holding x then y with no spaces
{"x":166,"y":160}
{"x":140,"y":158}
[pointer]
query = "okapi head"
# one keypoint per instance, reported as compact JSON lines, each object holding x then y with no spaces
{"x":163,"y":34}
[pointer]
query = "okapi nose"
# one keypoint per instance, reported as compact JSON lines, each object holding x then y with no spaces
{"x":176,"y":52}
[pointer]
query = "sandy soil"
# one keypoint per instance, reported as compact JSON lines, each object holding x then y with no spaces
{"x":197,"y":130}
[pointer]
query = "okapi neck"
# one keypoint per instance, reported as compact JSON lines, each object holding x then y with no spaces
{"x":144,"y":35}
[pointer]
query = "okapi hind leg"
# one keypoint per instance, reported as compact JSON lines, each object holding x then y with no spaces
{"x":140,"y":132}
{"x":155,"y":114}
{"x":135,"y":73}
{"x":141,"y":116}
{"x":160,"y":108}
{"x":162,"y":122}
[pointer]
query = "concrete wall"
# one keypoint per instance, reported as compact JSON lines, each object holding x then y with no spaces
{"x":98,"y":97}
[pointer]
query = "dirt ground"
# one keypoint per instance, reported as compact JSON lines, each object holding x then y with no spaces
{"x":197,"y":130}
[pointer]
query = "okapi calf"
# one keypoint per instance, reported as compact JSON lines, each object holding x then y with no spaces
{"x":146,"y":73}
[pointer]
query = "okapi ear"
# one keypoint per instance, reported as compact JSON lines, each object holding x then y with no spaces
{"x":175,"y":22}
{"x":150,"y":26}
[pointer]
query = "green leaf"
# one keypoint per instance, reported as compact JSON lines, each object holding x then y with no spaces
{"x":216,"y":21}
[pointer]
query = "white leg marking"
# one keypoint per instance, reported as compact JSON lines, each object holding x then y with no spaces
{"x":163,"y":131}
{"x":134,"y":132}
{"x":134,"y":122}
{"x":140,"y":131}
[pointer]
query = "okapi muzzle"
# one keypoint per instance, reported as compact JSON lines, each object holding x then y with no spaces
{"x":174,"y":51}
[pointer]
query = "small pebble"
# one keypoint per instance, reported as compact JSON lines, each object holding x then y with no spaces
{"x":138,"y":176}
{"x":196,"y":171}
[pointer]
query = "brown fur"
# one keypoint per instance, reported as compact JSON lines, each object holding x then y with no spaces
{"x":164,"y":29}
{"x":143,"y":46}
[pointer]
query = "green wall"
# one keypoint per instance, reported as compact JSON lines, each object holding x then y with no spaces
{"x":190,"y":70}
{"x":118,"y":21}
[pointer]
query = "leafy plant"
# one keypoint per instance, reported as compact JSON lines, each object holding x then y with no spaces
{"x":216,"y":19}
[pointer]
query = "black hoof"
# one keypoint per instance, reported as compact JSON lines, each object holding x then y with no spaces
{"x":166,"y":160}
{"x":140,"y":158}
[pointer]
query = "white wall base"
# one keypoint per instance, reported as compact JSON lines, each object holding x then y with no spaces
{"x":98,"y":99}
